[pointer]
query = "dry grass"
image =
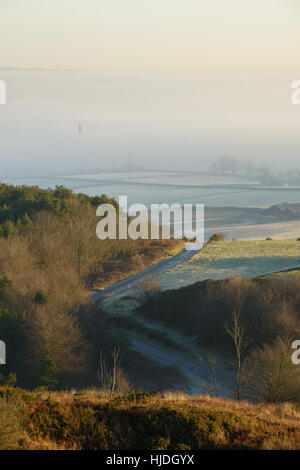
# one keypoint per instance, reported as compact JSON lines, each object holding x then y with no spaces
{"x":87,"y":420}
{"x":119,"y":269}
{"x":175,"y":396}
{"x":279,"y":423}
{"x":11,"y":426}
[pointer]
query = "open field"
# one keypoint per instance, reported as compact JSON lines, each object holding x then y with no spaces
{"x":249,"y":249}
{"x":234,"y":258}
{"x":246,"y":228}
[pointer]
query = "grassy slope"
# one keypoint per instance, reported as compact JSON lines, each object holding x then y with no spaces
{"x":249,"y":249}
{"x":234,"y":258}
{"x":150,"y":421}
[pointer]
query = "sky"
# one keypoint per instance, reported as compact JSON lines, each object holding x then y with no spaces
{"x":173,"y":83}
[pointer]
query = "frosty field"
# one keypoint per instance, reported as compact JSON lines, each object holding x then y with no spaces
{"x":234,"y":258}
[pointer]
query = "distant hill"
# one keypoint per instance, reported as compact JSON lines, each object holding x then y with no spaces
{"x":288,"y":210}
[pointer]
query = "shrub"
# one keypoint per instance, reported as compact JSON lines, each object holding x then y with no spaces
{"x":271,"y":376}
{"x":9,"y":381}
{"x":41,"y":298}
{"x":216,"y":237}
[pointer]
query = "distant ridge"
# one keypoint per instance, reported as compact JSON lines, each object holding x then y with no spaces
{"x":285,"y":209}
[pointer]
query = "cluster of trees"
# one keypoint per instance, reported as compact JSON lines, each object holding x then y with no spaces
{"x":253,"y":321}
{"x":49,"y":257}
{"x":18,"y":204}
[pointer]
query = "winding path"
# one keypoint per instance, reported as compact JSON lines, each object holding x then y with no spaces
{"x":191,"y":367}
{"x":135,"y":279}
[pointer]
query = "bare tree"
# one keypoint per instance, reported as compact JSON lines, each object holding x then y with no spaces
{"x":237,"y":332}
{"x":211,"y":363}
{"x":112,"y":377}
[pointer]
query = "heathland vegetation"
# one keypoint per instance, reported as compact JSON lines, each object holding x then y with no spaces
{"x":75,"y":362}
{"x":139,"y":420}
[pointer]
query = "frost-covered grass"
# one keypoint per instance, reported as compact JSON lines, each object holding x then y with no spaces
{"x":229,"y":258}
{"x":249,"y":249}
{"x":234,"y":258}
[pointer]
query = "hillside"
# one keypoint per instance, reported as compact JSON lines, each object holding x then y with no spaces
{"x":50,"y":259}
{"x":140,"y":420}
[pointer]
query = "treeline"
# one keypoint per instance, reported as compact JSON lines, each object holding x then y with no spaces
{"x":267,"y":313}
{"x":47,"y":268}
{"x":18,"y":204}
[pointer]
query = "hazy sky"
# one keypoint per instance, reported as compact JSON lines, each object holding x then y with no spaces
{"x":157,"y":36}
{"x":173,"y":82}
